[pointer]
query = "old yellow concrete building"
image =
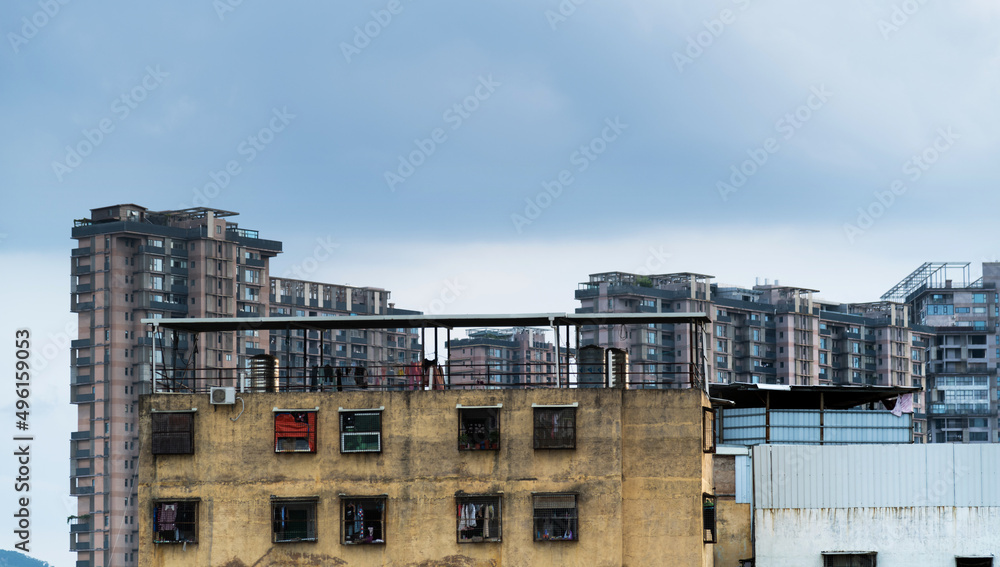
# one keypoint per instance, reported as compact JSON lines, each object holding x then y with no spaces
{"x":594,"y":477}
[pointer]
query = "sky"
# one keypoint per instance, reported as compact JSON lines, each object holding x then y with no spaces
{"x":486,"y":157}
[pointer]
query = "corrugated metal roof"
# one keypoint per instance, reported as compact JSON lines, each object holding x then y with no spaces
{"x":850,"y":476}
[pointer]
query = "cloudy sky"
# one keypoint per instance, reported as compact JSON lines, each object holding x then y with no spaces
{"x":502,"y":151}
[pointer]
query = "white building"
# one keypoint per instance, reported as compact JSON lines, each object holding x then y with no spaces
{"x":867,"y":505}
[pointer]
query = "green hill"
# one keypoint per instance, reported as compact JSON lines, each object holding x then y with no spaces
{"x":16,"y":559}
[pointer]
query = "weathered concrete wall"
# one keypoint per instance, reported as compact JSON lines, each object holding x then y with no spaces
{"x":638,"y":468}
{"x":734,"y":533}
{"x":903,"y":537}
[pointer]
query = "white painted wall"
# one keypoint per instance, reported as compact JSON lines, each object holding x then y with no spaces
{"x":903,"y":537}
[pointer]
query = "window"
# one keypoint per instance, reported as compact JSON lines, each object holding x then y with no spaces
{"x":363,"y":519}
{"x":834,"y":559}
{"x":479,"y":428}
{"x":173,"y":433}
{"x":478,"y":518}
{"x":708,"y":518}
{"x":555,"y":427}
{"x":361,"y":431}
{"x":555,"y":517}
{"x":295,"y":432}
{"x":708,"y":430}
{"x":973,"y":562}
{"x":293,"y":519}
{"x":175,"y":521}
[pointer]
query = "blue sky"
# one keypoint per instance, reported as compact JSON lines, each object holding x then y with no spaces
{"x":501,"y":149}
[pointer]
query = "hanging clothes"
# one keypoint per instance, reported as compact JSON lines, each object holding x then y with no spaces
{"x":168,"y":515}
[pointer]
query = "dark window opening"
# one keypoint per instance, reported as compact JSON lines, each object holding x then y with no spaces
{"x":849,"y":560}
{"x":479,"y":429}
{"x":175,"y":522}
{"x":973,"y":562}
{"x":363,"y":520}
{"x":478,"y":518}
{"x":360,"y":432}
{"x":293,"y":520}
{"x":295,"y":432}
{"x":555,"y":517}
{"x":708,"y":518}
{"x":173,"y":433}
{"x":555,"y":428}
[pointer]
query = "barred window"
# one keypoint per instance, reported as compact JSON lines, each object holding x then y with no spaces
{"x":293,"y":520}
{"x":479,"y":428}
{"x":175,"y":521}
{"x":708,"y":518}
{"x":361,"y":431}
{"x":555,"y":427}
{"x":363,"y":520}
{"x":295,"y":432}
{"x":555,"y":517}
{"x":708,"y":430}
{"x":173,"y":433}
{"x":479,"y":518}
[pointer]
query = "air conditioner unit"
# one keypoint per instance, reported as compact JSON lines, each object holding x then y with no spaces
{"x":222,"y":395}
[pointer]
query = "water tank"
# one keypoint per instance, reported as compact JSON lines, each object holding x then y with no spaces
{"x":263,"y":373}
{"x":591,"y":367}
{"x":617,"y":367}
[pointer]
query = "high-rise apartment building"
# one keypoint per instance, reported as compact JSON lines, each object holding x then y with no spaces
{"x":131,"y":263}
{"x":519,"y":356}
{"x":964,"y":352}
{"x":762,"y":334}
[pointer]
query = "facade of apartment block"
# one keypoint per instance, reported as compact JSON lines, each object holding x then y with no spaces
{"x":769,"y":334}
{"x":520,"y":356}
{"x":964,"y":352}
{"x":595,"y":477}
{"x":131,"y":263}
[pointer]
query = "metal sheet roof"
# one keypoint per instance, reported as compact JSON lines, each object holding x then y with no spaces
{"x":834,"y":396}
{"x":204,"y":325}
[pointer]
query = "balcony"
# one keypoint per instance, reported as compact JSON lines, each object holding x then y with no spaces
{"x":182,"y":289}
{"x":850,"y":335}
{"x":81,"y":270}
{"x":255,"y":263}
{"x":79,"y":546}
{"x":81,"y":398}
{"x":80,"y":454}
{"x":83,"y":472}
{"x":80,"y":343}
{"x":83,"y":379}
{"x":82,"y":361}
{"x":82,"y":306}
{"x":82,"y":288}
{"x":177,"y":271}
{"x":79,"y":435}
{"x":81,"y":251}
{"x":79,"y":528}
{"x":80,"y":490}
{"x":175,"y":307}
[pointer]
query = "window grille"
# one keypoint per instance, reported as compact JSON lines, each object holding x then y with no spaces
{"x":360,"y":431}
{"x":363,"y":520}
{"x":479,"y":518}
{"x":293,"y":520}
{"x":175,"y":521}
{"x":479,"y":429}
{"x":173,"y":433}
{"x":708,"y":518}
{"x":555,"y":517}
{"x":295,"y":432}
{"x":708,"y":430}
{"x":555,"y":428}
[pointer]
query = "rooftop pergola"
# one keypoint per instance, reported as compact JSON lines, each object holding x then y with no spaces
{"x":570,"y":323}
